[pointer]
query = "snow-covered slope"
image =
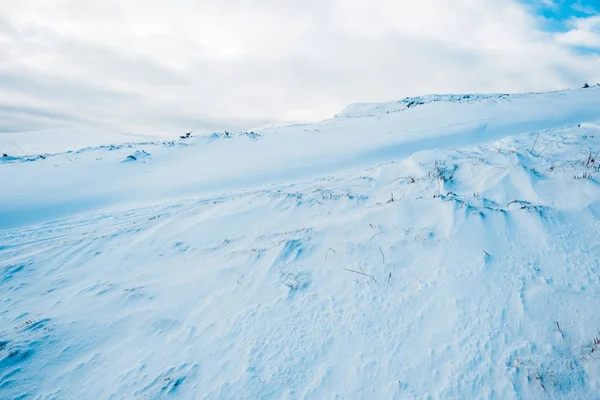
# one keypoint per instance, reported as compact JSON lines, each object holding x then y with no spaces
{"x":60,"y":140}
{"x":443,"y":250}
{"x":95,"y":178}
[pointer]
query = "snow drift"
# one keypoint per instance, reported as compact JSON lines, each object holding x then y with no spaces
{"x":442,"y":249}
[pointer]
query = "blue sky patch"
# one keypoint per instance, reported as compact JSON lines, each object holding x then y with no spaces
{"x":555,"y":14}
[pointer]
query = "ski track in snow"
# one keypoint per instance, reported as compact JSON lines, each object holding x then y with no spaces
{"x":465,"y":272}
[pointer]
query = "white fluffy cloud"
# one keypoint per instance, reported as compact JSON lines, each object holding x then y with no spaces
{"x":584,"y":32}
{"x":162,"y":66}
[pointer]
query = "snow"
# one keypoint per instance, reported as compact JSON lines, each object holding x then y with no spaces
{"x":443,"y":250}
{"x":60,"y":140}
{"x":361,"y":110}
{"x":136,"y":156}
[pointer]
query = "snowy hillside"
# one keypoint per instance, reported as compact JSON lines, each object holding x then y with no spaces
{"x":435,"y":247}
{"x":62,"y":140}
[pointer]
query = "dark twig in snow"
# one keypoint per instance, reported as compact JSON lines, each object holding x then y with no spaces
{"x":595,"y":345}
{"x":382,"y":255}
{"x":539,"y":378}
{"x":543,"y":150}
{"x":328,"y":250}
{"x":358,"y":272}
{"x":532,"y":147}
{"x":378,"y":233}
{"x":558,"y":328}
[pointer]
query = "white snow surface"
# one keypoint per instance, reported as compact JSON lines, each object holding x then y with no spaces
{"x":441,"y":247}
{"x":62,"y":140}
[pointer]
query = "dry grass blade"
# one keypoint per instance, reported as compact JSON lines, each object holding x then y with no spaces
{"x":536,"y":139}
{"x":361,"y":273}
{"x":378,"y":233}
{"x":329,"y":250}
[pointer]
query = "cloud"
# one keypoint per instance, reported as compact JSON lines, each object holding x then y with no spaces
{"x":584,"y":8}
{"x":161,"y":67}
{"x":583,"y":32}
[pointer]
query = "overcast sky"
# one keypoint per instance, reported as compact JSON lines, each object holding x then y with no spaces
{"x":158,"y":66}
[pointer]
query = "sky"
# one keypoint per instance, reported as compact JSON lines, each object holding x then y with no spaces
{"x":165,"y":67}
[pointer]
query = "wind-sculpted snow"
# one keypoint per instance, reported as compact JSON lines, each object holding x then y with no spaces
{"x":400,"y":256}
{"x":207,"y":165}
{"x":361,"y":110}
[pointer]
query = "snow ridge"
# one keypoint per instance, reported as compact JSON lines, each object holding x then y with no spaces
{"x":362,"y":110}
